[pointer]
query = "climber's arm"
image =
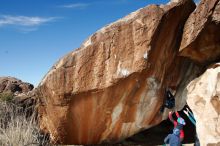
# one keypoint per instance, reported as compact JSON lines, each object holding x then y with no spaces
{"x":169,"y":94}
{"x":177,"y":114}
{"x":170,"y":117}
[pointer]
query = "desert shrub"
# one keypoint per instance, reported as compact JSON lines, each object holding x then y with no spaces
{"x":18,"y":129}
{"x":6,"y":96}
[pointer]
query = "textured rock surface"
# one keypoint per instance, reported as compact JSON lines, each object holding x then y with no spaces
{"x":204,"y":99}
{"x":113,"y":85}
{"x":201,"y":39}
{"x":20,"y":94}
{"x":10,"y":84}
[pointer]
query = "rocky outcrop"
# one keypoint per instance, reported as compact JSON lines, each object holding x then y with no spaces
{"x":201,"y":39}
{"x":113,"y":85}
{"x":13,"y":85}
{"x":20,"y":94}
{"x":203,"y":97}
{"x":16,"y":97}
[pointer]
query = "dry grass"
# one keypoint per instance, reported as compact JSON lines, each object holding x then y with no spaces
{"x":18,"y":127}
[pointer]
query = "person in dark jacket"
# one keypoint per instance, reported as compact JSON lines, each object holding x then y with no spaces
{"x":169,"y":100}
{"x":174,"y":138}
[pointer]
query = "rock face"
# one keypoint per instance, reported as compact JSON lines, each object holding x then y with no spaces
{"x":201,"y":39}
{"x":13,"y":85}
{"x":204,"y":99}
{"x":113,"y":85}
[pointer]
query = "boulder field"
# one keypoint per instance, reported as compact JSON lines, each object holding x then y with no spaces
{"x":112,"y":87}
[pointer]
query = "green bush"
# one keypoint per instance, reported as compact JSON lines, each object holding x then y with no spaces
{"x":6,"y":96}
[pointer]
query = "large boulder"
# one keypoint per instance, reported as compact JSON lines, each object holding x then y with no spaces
{"x":113,"y":85}
{"x":203,"y":96}
{"x":201,"y":39}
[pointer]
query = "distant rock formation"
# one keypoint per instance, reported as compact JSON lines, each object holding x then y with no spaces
{"x":204,"y":99}
{"x":13,"y":85}
{"x":21,"y":94}
{"x":113,"y":85}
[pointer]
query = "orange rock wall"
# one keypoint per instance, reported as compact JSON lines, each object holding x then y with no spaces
{"x":113,"y":85}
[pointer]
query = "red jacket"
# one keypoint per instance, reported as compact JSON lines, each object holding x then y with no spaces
{"x":176,"y":125}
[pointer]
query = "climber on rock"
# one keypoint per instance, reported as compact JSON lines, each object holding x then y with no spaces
{"x":169,"y":101}
{"x":179,"y":123}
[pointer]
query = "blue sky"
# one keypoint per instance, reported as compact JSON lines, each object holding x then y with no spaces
{"x":34,"y":34}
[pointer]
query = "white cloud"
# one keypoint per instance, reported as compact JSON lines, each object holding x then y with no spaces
{"x":76,"y":5}
{"x":6,"y":20}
